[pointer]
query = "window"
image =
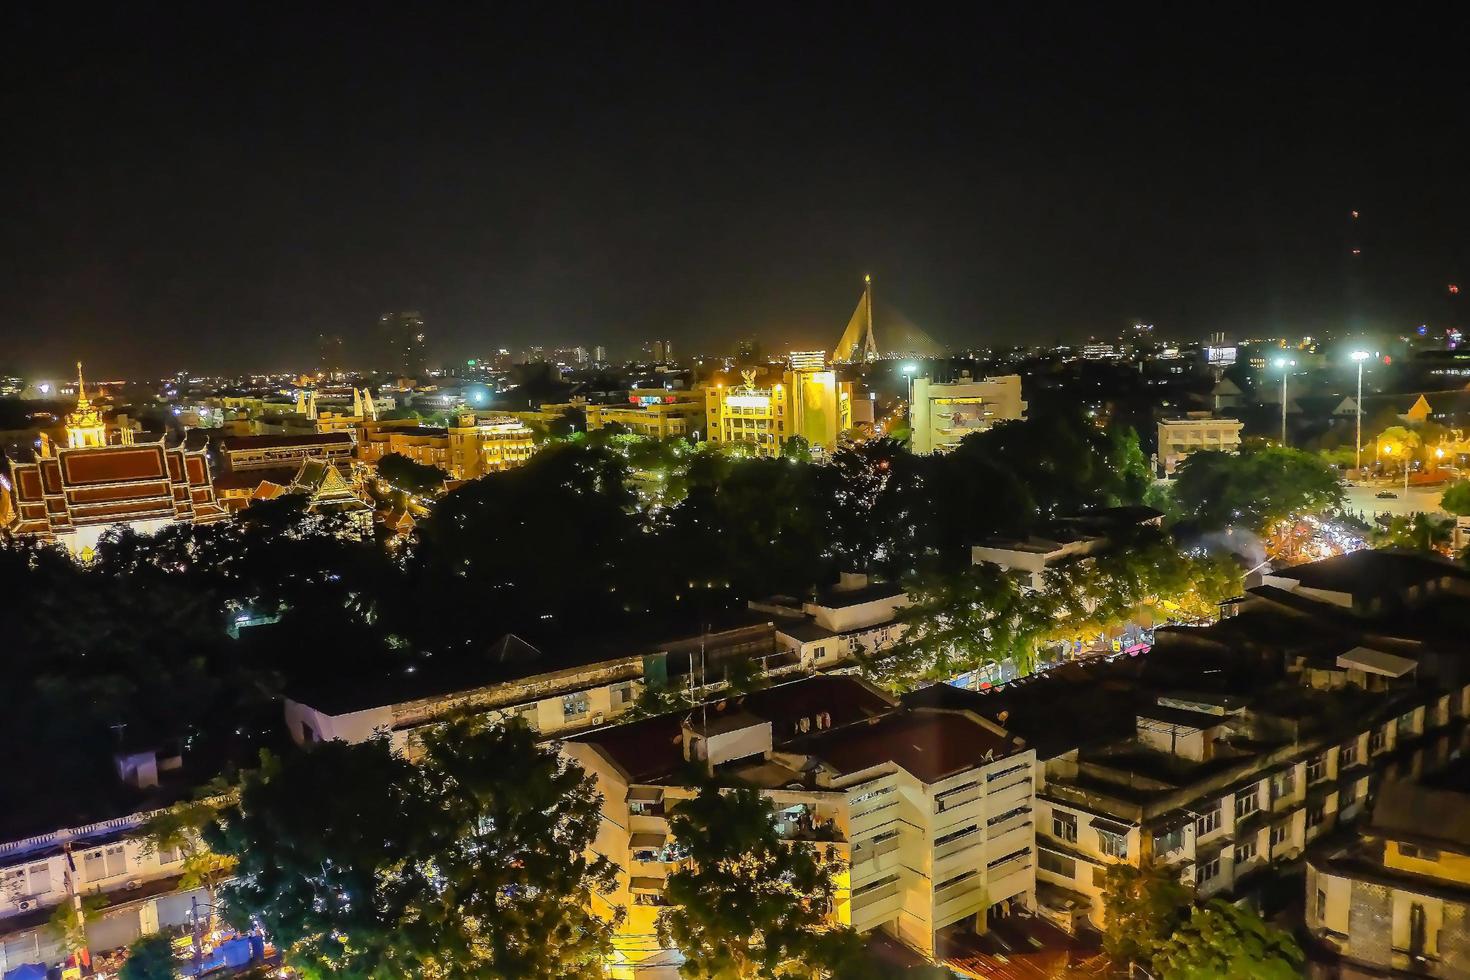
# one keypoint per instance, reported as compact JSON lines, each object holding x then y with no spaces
{"x":1209,"y":871}
{"x":92,"y":866}
{"x":1099,"y":876}
{"x":117,"y":860}
{"x":1245,"y":852}
{"x":1064,"y":826}
{"x":622,"y":694}
{"x":1246,"y":803}
{"x":1207,"y":823}
{"x":40,"y":879}
{"x":1348,"y":795}
{"x":819,"y":652}
{"x":1283,"y":784}
{"x":1317,"y":769}
{"x":1057,"y":864}
{"x":1406,"y":724}
{"x":1316,"y":813}
{"x":1279,"y":833}
{"x":574,"y":706}
{"x":1008,"y":815}
{"x":1348,"y":755}
{"x":1321,"y":905}
{"x":1415,"y":851}
{"x":647,"y":898}
{"x":956,"y":834}
{"x":1171,"y":840}
{"x":169,"y":855}
{"x":1376,"y":740}
{"x":1111,"y":844}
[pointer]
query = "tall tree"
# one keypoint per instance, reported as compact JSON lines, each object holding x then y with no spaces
{"x":1224,"y":940}
{"x":1143,"y":907}
{"x":470,"y":862}
{"x":1255,"y":489}
{"x":747,"y":904}
{"x":149,"y":958}
{"x":960,"y":622}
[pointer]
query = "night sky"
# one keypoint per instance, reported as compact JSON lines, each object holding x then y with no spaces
{"x":210,"y":193}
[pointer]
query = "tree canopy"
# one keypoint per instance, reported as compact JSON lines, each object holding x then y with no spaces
{"x":1224,"y":940}
{"x":1255,"y":489}
{"x":149,"y":958}
{"x":419,"y":479}
{"x":1152,"y":920}
{"x":747,"y":904}
{"x":470,"y":861}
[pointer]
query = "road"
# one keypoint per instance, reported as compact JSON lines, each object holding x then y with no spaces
{"x":1362,"y":498}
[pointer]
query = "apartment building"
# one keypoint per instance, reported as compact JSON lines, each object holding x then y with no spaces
{"x":930,"y":808}
{"x":659,"y":413}
{"x":941,"y":414}
{"x":468,"y":449}
{"x":1192,"y":433}
{"x":130,"y":887}
{"x":1062,"y":540}
{"x":838,"y":625}
{"x":1395,"y":899}
{"x":556,"y":692}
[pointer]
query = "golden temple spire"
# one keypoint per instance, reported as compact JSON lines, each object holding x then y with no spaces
{"x":84,"y":427}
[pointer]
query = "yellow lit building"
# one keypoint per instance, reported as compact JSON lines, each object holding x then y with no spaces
{"x":1397,"y":899}
{"x":654,"y":412}
{"x":929,"y":838}
{"x":944,"y":413}
{"x":470,"y":448}
{"x":808,"y":402}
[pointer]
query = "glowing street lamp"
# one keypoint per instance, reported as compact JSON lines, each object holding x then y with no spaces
{"x":1360,"y":356}
{"x":909,"y":371}
{"x":1284,"y":363}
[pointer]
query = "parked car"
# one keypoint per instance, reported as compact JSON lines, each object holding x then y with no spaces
{"x":1386,"y":495}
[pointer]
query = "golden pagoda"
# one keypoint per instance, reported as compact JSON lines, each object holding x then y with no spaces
{"x":84,"y":427}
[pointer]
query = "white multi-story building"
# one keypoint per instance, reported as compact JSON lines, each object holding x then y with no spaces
{"x":1179,"y":437}
{"x":1220,"y":792}
{"x":940,"y":415}
{"x":131,"y":888}
{"x":930,"y":808}
{"x":837,"y":626}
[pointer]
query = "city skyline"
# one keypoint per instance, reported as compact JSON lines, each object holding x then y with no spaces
{"x":605,"y":182}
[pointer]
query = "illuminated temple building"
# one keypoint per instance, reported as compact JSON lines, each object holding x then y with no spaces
{"x":74,"y":493}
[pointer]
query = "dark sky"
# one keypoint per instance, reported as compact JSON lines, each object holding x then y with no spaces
{"x":210,"y":192}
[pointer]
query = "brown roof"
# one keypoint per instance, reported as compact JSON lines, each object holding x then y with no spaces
{"x":651,"y":749}
{"x":929,"y":744}
{"x":250,"y":479}
{"x":237,"y":443}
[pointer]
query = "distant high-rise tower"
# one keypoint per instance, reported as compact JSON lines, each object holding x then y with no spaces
{"x":599,"y":354}
{"x":329,"y":349}
{"x":408,"y":354}
{"x":658,"y":351}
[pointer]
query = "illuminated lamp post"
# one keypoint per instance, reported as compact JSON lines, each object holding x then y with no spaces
{"x":1360,"y":356}
{"x":1284,"y":363}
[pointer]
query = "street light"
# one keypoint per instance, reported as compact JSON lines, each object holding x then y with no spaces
{"x":910,"y":370}
{"x":1360,"y":356}
{"x":1284,"y":363}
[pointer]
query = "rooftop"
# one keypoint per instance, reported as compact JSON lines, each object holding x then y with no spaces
{"x":1373,"y":571}
{"x":241,"y":443}
{"x":842,"y":598}
{"x":929,"y":744}
{"x":651,"y":750}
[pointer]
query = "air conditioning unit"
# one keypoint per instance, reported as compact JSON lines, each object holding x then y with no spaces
{"x":26,"y":904}
{"x":597,"y":717}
